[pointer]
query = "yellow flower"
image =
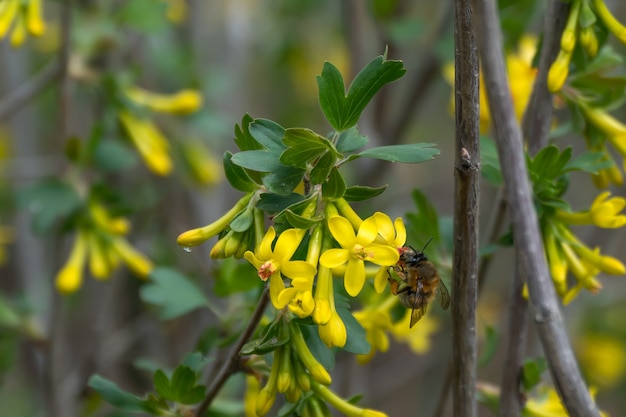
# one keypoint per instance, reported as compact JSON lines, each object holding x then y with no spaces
{"x":376,"y":322}
{"x":176,"y":10}
{"x":355,"y":250}
{"x":203,"y":165}
{"x":135,"y":260}
{"x":334,"y":332}
{"x":25,"y":17}
{"x":548,"y":405}
{"x":418,"y":338}
{"x":252,"y":393}
{"x":521,"y":75}
{"x":392,"y":235}
{"x":149,"y":141}
{"x":70,"y":277}
{"x":273,"y":263}
{"x":183,"y":102}
{"x":604,"y":212}
{"x":603,"y":358}
{"x":343,"y":406}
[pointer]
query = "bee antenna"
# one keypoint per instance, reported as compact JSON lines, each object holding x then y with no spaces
{"x":427,"y":243}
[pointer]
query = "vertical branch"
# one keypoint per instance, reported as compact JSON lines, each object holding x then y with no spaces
{"x":536,"y":127}
{"x":466,"y":182}
{"x":546,"y":313}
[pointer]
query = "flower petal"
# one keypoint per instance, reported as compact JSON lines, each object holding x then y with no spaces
{"x":400,"y":232}
{"x":382,"y":255}
{"x":265,"y":248}
{"x":342,"y":231}
{"x":298,"y":269}
{"x":385,"y":227}
{"x":380,"y":280}
{"x":285,"y":296}
{"x":355,"y":277}
{"x":276,"y":287}
{"x":287,"y":243}
{"x":334,"y":257}
{"x":367,"y":231}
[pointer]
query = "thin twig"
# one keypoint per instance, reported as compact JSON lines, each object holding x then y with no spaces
{"x":564,"y":369}
{"x":231,"y":364}
{"x":25,"y":92}
{"x":466,"y":193}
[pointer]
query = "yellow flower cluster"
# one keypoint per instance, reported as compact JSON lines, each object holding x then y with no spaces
{"x":521,"y":75}
{"x":377,"y":322}
{"x":565,"y":252}
{"x":24,"y":17}
{"x":103,"y":244}
{"x":143,"y":133}
{"x":575,"y":32}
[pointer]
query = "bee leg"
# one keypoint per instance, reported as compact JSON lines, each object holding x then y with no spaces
{"x":393,"y":284}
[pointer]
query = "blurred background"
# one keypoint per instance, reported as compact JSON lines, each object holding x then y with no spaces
{"x":243,"y":56}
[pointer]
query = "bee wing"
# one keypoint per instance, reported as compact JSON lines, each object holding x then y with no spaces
{"x":443,"y":297}
{"x":417,"y":313}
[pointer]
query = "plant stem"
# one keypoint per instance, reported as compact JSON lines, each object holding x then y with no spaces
{"x":546,"y":313}
{"x":231,"y":364}
{"x":467,"y":176}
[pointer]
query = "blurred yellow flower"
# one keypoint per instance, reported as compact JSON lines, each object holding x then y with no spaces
{"x":70,"y":277}
{"x":417,"y":338}
{"x":149,"y":141}
{"x":182,"y":102}
{"x":204,"y":167}
{"x":548,"y":404}
{"x":603,"y":358}
{"x":521,"y":75}
{"x":24,"y":16}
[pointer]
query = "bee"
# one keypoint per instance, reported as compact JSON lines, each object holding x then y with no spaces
{"x":418,"y":283}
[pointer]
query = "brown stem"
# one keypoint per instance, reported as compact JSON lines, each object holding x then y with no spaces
{"x":546,"y":313}
{"x":467,"y":176}
{"x":231,"y":364}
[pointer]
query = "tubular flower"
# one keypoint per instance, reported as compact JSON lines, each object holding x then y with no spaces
{"x":202,"y":164}
{"x":271,"y":264}
{"x":70,"y":277}
{"x":417,"y":338}
{"x":331,"y":328}
{"x":603,"y":358}
{"x":604,"y":212}
{"x":341,"y":405}
{"x":565,"y":252}
{"x":612,"y":24}
{"x":252,"y":392}
{"x":149,"y":141}
{"x":355,"y":250}
{"x":376,"y":322}
{"x":25,"y":16}
{"x":560,"y":67}
{"x":183,"y":102}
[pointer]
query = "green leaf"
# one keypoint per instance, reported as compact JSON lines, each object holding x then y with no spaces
{"x":50,"y":201}
{"x":274,"y":335}
{"x":321,"y":171}
{"x":162,"y":385}
{"x":586,"y":16}
{"x":9,"y":317}
{"x":196,"y":361}
{"x":490,"y":346}
{"x":115,"y":396}
{"x":283,"y":180}
{"x":361,"y":192}
{"x":351,"y":140}
{"x":234,"y":277}
{"x":489,"y":161}
{"x":183,"y":381}
{"x":173,"y":292}
{"x":273,"y":203}
{"x":244,"y":140}
{"x":344,"y":110}
{"x":268,"y":133}
{"x":112,"y":156}
{"x":413,"y":153}
{"x":424,"y":221}
{"x":146,"y":16}
{"x":261,"y":161}
{"x":237,"y":176}
{"x":335,"y":185}
{"x":591,"y":162}
{"x":303,"y":146}
{"x":243,"y":220}
{"x":531,"y":372}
